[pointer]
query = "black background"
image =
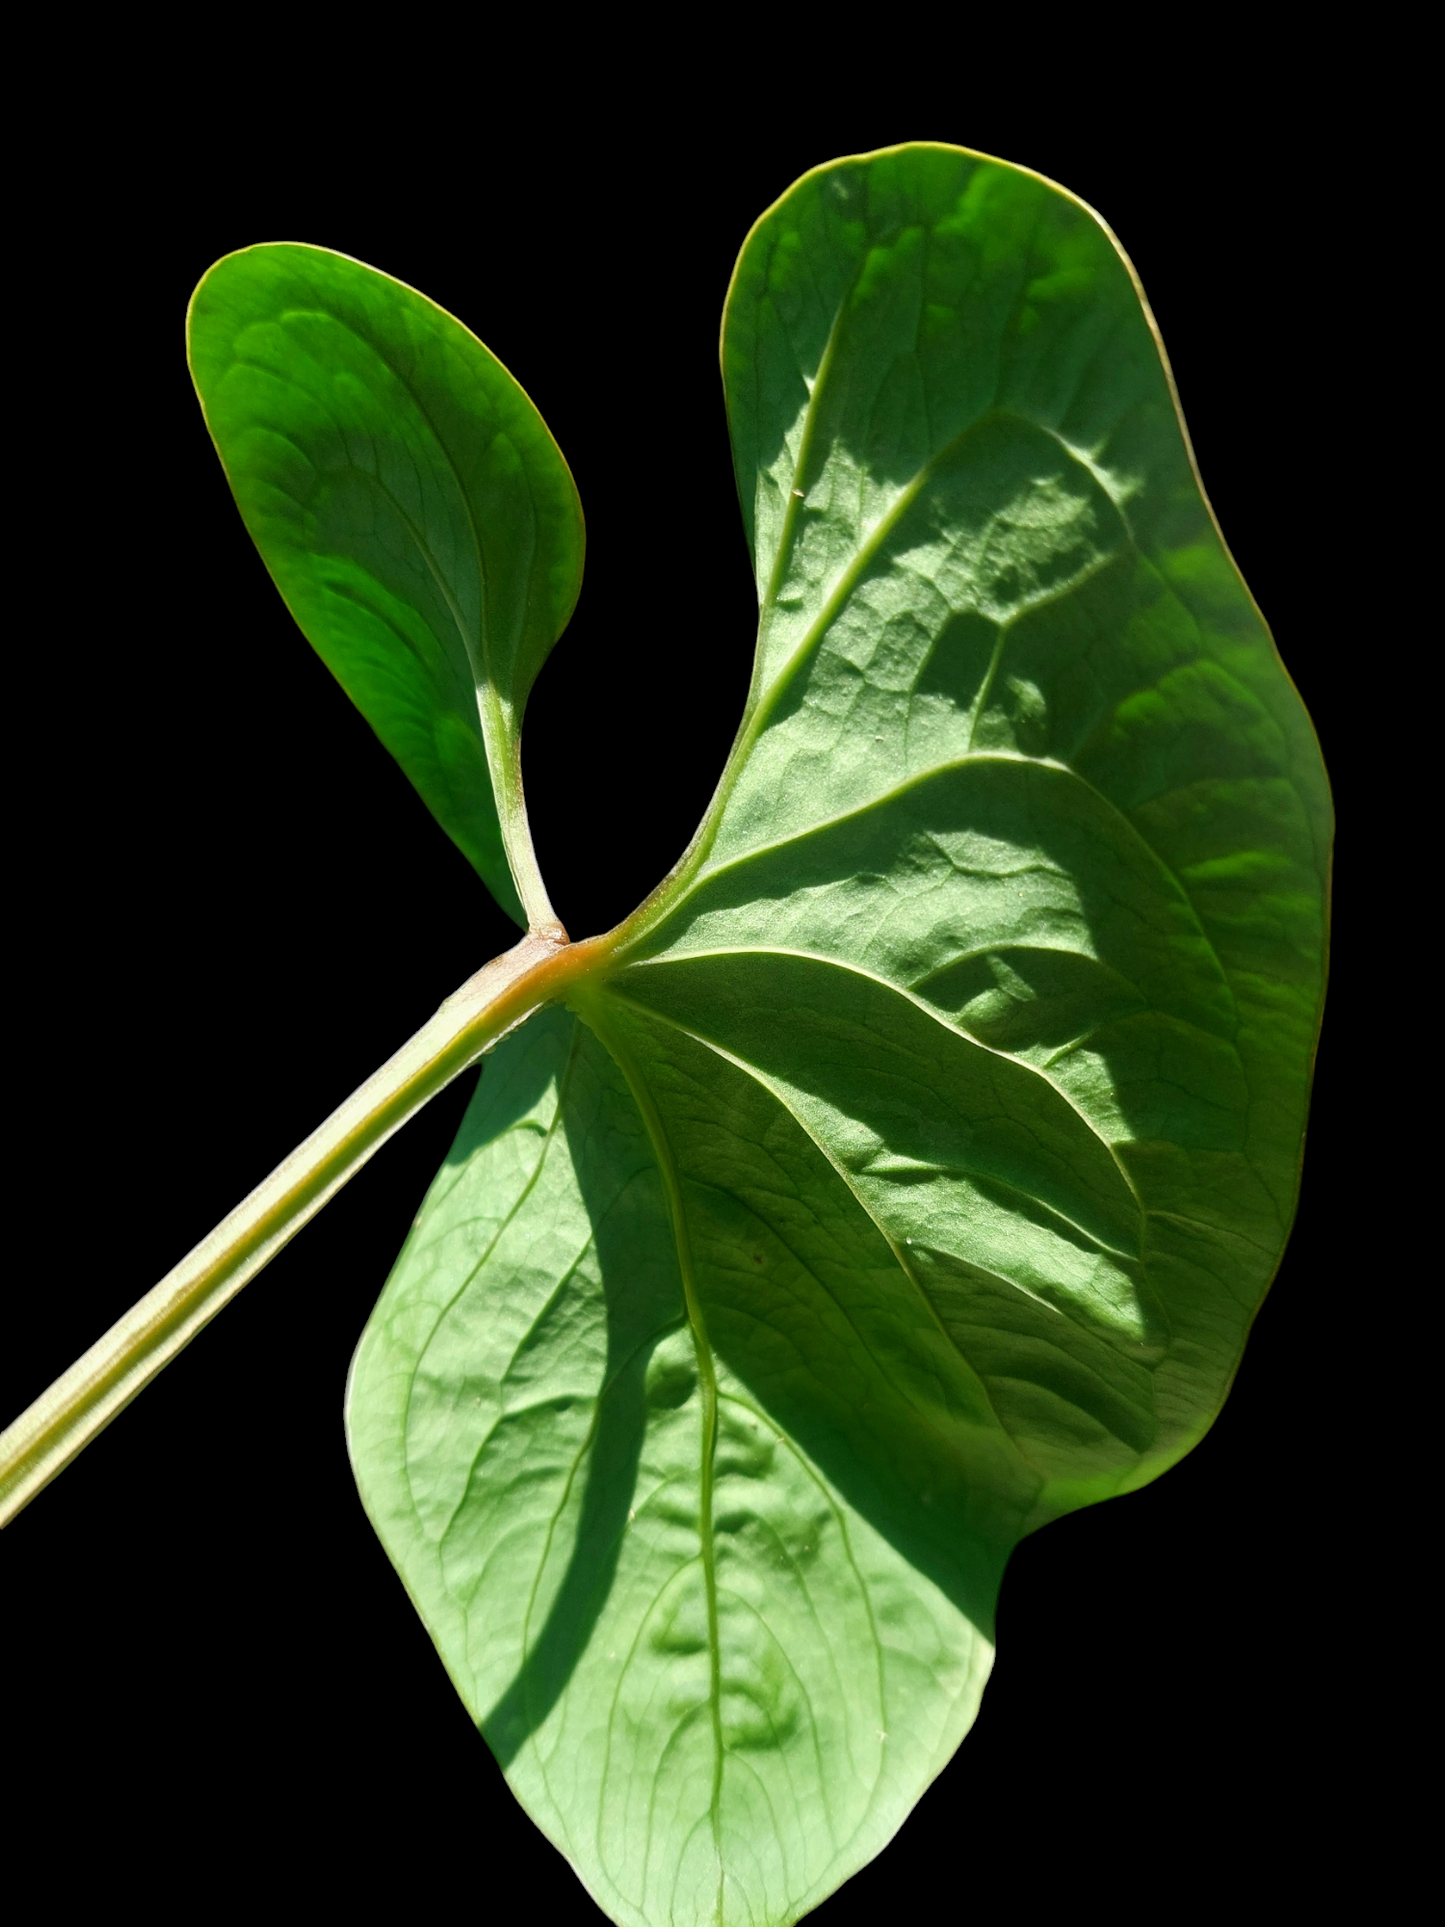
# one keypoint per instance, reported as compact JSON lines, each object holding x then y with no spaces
{"x":232,"y":907}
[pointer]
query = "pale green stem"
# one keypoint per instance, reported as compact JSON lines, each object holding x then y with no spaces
{"x":81,"y":1403}
{"x":502,"y":733}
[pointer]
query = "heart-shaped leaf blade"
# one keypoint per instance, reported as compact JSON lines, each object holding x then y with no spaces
{"x":414,"y":512}
{"x":911,"y":1167}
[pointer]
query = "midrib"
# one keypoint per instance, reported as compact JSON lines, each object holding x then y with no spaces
{"x":652,"y":1120}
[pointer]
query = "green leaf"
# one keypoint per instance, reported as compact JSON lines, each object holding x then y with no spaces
{"x":907,"y":1171}
{"x":414,"y":512}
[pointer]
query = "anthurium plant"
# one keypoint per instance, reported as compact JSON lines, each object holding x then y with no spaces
{"x":905,"y":1172}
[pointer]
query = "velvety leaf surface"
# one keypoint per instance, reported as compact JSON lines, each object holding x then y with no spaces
{"x":910,"y":1170}
{"x":538,"y":1429}
{"x":411,"y":506}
